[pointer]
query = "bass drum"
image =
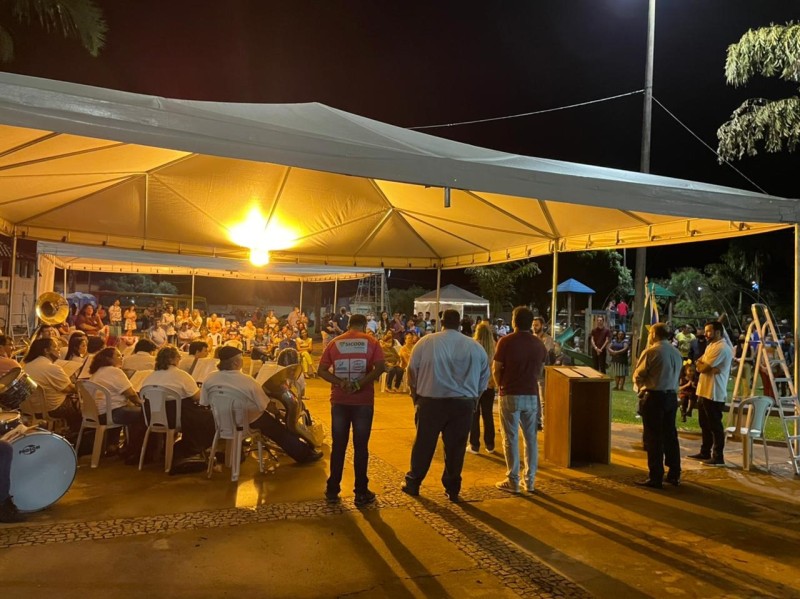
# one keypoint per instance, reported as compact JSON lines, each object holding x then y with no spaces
{"x":42,"y":470}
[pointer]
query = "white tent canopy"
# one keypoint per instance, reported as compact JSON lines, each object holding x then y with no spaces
{"x":107,"y":168}
{"x":110,"y":260}
{"x":451,"y":297}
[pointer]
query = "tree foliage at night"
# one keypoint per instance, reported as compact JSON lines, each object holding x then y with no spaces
{"x":80,"y":20}
{"x":139,"y":284}
{"x":498,"y":283}
{"x":773,"y":125}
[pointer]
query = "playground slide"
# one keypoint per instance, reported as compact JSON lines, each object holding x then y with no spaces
{"x":578,"y":358}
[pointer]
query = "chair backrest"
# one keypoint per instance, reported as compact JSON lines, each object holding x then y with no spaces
{"x":34,"y":404}
{"x":229,"y":407}
{"x":90,"y":394}
{"x":759,"y":408}
{"x":157,"y":398}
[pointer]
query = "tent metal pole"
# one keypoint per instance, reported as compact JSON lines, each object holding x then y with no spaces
{"x":65,"y":281}
{"x":795,"y":331}
{"x":335,"y":293}
{"x":192,"y":302}
{"x":301,"y":295}
{"x":438,"y":297}
{"x":9,"y":325}
{"x":383,"y":286}
{"x":554,"y":298}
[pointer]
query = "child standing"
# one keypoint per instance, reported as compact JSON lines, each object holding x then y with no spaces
{"x":687,"y":390}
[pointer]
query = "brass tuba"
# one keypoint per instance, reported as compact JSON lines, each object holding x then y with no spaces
{"x":52,"y":308}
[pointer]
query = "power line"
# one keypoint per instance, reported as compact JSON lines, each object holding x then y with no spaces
{"x":698,"y":138}
{"x":524,"y":114}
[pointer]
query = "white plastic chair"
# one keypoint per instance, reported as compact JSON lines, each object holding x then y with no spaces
{"x":229,"y":408}
{"x":88,"y":393}
{"x":157,"y":398}
{"x":754,"y":411}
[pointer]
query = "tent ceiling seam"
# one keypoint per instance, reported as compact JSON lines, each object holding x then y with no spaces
{"x":421,"y":238}
{"x":170,"y":163}
{"x":427,"y":224}
{"x":375,"y":230}
{"x":378,"y":189}
{"x":549,"y":218}
{"x":278,"y":194}
{"x":467,"y":224}
{"x":509,"y":215}
{"x":60,"y":156}
{"x":336,"y":226}
{"x":76,"y":188}
{"x":29,"y":144}
{"x":188,"y":201}
{"x":26,"y":221}
{"x":639,"y":218}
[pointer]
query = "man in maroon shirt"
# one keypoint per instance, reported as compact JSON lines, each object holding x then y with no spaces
{"x":351,"y":362}
{"x":518,"y":361}
{"x":600,"y":338}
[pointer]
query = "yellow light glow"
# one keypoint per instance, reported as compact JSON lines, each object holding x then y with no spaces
{"x":261,"y":236}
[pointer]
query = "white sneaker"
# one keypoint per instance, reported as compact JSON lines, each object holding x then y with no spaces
{"x":471,"y":449}
{"x":507,"y":486}
{"x":491,"y":451}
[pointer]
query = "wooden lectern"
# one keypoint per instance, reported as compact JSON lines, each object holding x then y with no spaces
{"x":577,"y":425}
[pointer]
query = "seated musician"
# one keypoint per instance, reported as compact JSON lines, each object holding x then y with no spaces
{"x":142,"y":357}
{"x":94,"y":345}
{"x":59,"y":392}
{"x":7,"y":363}
{"x":77,"y":347}
{"x":126,"y":407}
{"x":230,"y":376}
{"x":197,"y":422}
{"x":88,"y":322}
{"x":197,"y":351}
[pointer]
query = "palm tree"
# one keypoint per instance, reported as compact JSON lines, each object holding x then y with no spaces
{"x":74,"y":19}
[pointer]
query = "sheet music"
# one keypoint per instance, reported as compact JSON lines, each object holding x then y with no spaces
{"x":138,"y":378}
{"x":70,"y":367}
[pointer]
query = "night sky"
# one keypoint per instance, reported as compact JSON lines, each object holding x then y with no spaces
{"x":413,"y":64}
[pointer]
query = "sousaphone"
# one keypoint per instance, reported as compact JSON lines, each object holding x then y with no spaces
{"x":52,"y":308}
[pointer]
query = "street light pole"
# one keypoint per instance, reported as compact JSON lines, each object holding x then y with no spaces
{"x":644,"y":166}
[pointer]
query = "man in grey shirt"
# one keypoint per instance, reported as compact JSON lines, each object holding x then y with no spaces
{"x":656,"y":377}
{"x":447,"y":373}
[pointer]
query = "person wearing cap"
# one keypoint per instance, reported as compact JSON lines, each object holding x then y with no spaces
{"x":230,"y":375}
{"x":351,"y":363}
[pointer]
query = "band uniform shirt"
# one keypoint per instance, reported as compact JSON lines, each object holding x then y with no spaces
{"x":448,"y":364}
{"x":174,"y":379}
{"x":113,"y":379}
{"x":522,"y":354}
{"x":659,"y":368}
{"x":352,"y":355}
{"x":715,"y":386}
{"x":51,"y":378}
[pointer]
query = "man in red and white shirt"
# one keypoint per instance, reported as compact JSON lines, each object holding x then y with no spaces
{"x":351,"y":363}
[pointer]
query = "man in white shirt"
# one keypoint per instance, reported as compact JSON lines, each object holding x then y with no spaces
{"x":197,"y":351}
{"x":143,"y":357}
{"x":59,"y":397}
{"x":230,"y":376}
{"x":712,"y":389}
{"x":447,"y":373}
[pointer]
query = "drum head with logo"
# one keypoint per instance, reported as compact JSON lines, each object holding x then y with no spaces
{"x":42,"y":470}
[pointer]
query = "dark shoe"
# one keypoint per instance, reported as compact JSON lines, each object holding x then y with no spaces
{"x":363,"y":499}
{"x":9,"y":512}
{"x":683,"y":417}
{"x":314,"y":457}
{"x":332,"y":497}
{"x":714,"y":462}
{"x":409,"y":490}
{"x":699,"y":456}
{"x":453,"y":496}
{"x":649,"y":483}
{"x":675,"y":481}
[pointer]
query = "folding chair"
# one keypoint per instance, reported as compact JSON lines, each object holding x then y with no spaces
{"x":157,"y":398}
{"x":88,"y":393}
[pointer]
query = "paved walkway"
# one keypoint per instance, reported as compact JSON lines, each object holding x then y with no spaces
{"x":586,"y":532}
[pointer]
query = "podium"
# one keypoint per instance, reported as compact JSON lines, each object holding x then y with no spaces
{"x":577,"y":425}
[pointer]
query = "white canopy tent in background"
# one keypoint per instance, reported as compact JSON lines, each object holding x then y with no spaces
{"x":110,"y":260}
{"x":101,"y":167}
{"x":450,"y":297}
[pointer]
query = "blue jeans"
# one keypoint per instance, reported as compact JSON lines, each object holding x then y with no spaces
{"x":516,"y":411}
{"x":342,"y":418}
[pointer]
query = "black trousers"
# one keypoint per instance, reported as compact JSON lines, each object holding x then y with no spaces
{"x":710,"y":420}
{"x":483,"y":412}
{"x":599,"y":360}
{"x":660,"y":434}
{"x":295,"y":447}
{"x":452,"y":418}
